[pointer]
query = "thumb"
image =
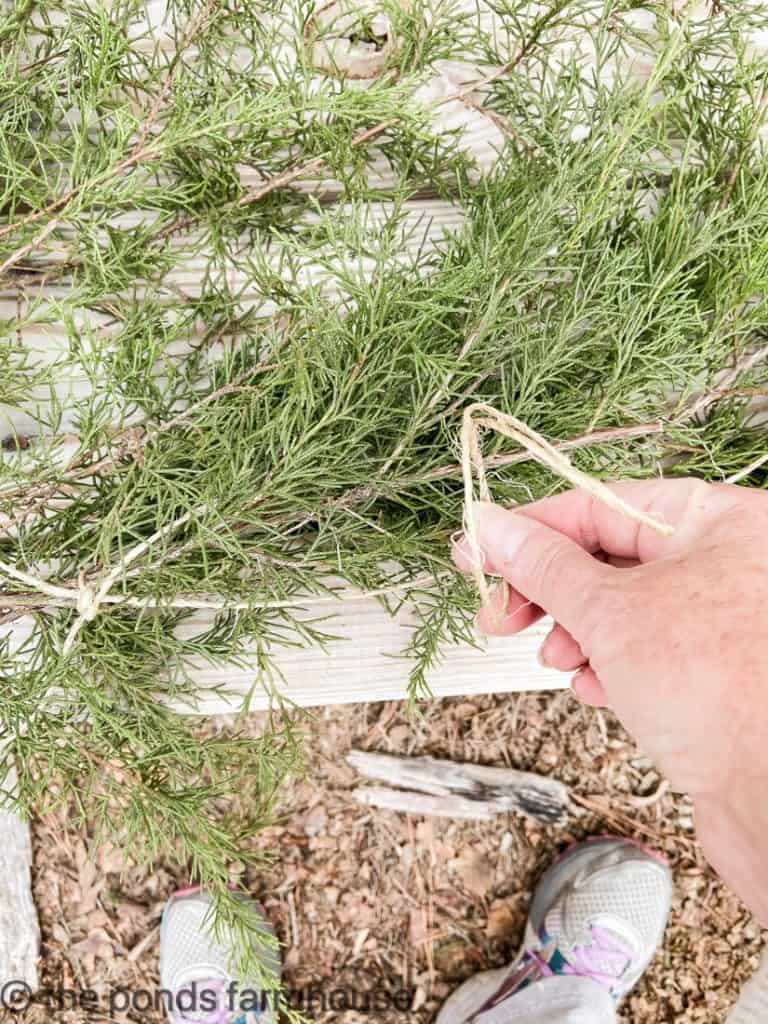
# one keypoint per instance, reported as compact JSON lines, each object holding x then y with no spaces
{"x":547,"y":567}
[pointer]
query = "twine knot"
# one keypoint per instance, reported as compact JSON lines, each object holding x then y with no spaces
{"x":87,"y":601}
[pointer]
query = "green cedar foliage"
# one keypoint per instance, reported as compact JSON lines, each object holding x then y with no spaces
{"x":297,"y":395}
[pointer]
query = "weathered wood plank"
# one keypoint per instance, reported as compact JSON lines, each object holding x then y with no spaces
{"x":368,"y":665}
{"x":20,"y":930}
{"x":421,"y":804}
{"x":365,"y":664}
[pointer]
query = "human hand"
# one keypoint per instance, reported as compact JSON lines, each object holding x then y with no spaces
{"x":670,"y":632}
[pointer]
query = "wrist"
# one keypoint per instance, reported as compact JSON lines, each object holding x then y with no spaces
{"x":733,"y":830}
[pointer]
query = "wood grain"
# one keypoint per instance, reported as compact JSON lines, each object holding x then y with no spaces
{"x":367,"y":664}
{"x":450,"y":789}
{"x":19,"y":931}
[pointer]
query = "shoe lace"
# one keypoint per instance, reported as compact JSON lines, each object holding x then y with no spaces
{"x":217,"y":1015}
{"x":604,"y":958}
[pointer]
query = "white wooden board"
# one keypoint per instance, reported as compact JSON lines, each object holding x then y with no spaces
{"x":367,"y":665}
{"x":19,"y":927}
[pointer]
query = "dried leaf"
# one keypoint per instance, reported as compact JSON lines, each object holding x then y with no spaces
{"x":500,"y":922}
{"x":474,"y":871}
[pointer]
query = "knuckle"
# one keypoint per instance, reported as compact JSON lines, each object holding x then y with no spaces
{"x":543,"y":558}
{"x":699,"y":498}
{"x":606,"y":606}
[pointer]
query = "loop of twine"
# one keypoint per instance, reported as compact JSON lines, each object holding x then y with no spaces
{"x":479,"y":415}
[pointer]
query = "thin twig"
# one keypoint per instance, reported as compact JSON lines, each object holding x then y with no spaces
{"x":719,"y":393}
{"x":460,"y":399}
{"x":762,"y":107}
{"x":143,"y":945}
{"x":604,"y":435}
{"x":26,"y":249}
{"x":742,"y":365}
{"x":502,"y":123}
{"x":68,"y":597}
{"x":253,"y":195}
{"x":748,"y":470}
{"x":607,"y":811}
{"x":49,"y":589}
{"x":467,"y":346}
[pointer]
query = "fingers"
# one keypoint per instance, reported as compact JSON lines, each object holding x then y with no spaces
{"x":588,"y":687}
{"x":622,"y":563}
{"x":510,"y":613}
{"x":687,"y":504}
{"x":558,"y":554}
{"x":503,"y":619}
{"x":561,"y":651}
{"x":546,"y":567}
{"x":464,"y":558}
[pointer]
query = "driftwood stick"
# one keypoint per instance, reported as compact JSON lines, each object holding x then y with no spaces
{"x":408,"y":802}
{"x":428,"y":785}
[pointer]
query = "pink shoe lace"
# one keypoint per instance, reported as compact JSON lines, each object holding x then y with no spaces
{"x":219,"y":1015}
{"x":606,"y":949}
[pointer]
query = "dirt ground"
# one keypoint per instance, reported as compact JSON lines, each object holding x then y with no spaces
{"x":371,"y":900}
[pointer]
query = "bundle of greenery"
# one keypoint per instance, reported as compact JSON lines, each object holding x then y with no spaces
{"x":237,"y":345}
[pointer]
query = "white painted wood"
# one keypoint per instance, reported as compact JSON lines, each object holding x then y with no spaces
{"x":19,"y":927}
{"x":367,"y":664}
{"x":423,"y":226}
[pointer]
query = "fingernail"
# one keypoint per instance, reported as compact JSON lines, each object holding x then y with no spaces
{"x":542,"y":654}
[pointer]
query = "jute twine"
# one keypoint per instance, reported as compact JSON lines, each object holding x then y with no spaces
{"x":480,"y":416}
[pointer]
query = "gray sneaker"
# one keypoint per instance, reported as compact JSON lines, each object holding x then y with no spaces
{"x":195,"y":977}
{"x":599,"y":912}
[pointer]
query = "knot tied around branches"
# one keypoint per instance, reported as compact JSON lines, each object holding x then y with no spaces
{"x":88,"y":603}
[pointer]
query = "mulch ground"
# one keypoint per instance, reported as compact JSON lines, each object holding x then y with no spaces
{"x":372,"y":901}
